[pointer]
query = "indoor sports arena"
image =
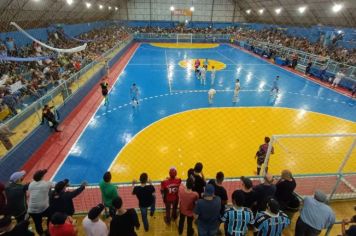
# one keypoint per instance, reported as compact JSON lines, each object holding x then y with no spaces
{"x":216,"y":117}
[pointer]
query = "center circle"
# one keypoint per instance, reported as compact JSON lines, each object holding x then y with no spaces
{"x":189,"y":63}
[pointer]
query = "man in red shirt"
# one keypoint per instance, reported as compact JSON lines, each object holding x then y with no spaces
{"x":169,"y":190}
{"x":62,"y":225}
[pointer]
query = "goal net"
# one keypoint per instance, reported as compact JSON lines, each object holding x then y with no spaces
{"x":318,"y":161}
{"x":184,"y":38}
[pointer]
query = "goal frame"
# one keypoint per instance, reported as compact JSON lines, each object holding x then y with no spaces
{"x":190,"y":37}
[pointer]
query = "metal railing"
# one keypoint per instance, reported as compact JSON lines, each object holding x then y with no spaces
{"x":61,"y":93}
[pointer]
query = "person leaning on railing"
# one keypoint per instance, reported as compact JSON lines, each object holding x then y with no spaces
{"x":48,"y":115}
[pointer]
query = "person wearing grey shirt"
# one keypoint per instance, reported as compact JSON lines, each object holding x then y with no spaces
{"x":38,"y":203}
{"x":315,"y":216}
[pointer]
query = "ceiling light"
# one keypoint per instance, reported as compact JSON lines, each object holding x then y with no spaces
{"x":100,"y":6}
{"x":171,"y":8}
{"x":248,"y":11}
{"x":69,"y":2}
{"x":337,"y":7}
{"x":109,"y":7}
{"x":116,"y":8}
{"x":88,"y":4}
{"x":302,"y":9}
{"x":261,"y":11}
{"x":192,"y":8}
{"x":278,"y":11}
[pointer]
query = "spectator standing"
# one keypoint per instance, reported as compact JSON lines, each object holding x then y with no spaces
{"x":264,"y":192}
{"x":338,"y":77}
{"x":308,"y":67}
{"x":5,"y":132}
{"x":16,"y":196}
{"x":351,"y":231}
{"x":9,"y":228}
{"x":3,"y":200}
{"x":187,"y":199}
{"x":38,"y":204}
{"x":262,"y":152}
{"x":237,"y":218}
{"x":284,"y":190}
{"x":145,"y":194}
{"x":294,"y":61}
{"x":220,"y":191}
{"x":62,"y":225}
{"x":124,"y":221}
{"x":108,"y":192}
{"x":271,"y":222}
{"x":199,"y":180}
{"x":62,"y":200}
{"x":207,"y":212}
{"x":169,"y":190}
{"x":247,"y":191}
{"x":93,"y":225}
{"x":314,"y":216}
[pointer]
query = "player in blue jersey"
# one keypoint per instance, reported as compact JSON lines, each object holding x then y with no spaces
{"x":275,"y":88}
{"x":237,"y":218}
{"x":134,"y":94}
{"x":271,"y":222}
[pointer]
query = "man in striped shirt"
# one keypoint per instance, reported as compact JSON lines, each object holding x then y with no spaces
{"x":237,"y":218}
{"x":271,"y":222}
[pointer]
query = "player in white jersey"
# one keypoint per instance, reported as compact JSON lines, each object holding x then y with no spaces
{"x":236,"y":91}
{"x":213,"y":74}
{"x":211,"y":94}
{"x":203,"y":75}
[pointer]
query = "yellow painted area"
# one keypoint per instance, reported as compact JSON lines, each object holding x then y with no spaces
{"x":30,"y":123}
{"x":186,"y":45}
{"x":189,"y":63}
{"x":226,"y":139}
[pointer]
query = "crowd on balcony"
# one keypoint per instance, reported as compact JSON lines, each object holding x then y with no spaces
{"x":272,"y":35}
{"x":22,"y":82}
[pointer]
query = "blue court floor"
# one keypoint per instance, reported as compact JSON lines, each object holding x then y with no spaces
{"x":166,"y":88}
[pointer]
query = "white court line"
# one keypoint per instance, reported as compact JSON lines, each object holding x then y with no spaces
{"x":169,"y":82}
{"x":87,"y":124}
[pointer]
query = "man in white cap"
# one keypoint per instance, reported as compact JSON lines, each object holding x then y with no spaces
{"x":314,"y":216}
{"x":16,"y":196}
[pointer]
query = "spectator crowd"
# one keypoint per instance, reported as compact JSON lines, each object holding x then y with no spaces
{"x":273,"y":35}
{"x":24,"y":82}
{"x":264,"y":208}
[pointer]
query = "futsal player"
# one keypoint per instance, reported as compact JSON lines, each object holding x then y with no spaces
{"x":196,"y":66}
{"x":203,"y":75}
{"x":134,"y":95}
{"x":213,"y":74}
{"x":105,"y":90}
{"x":211,"y":94}
{"x":236,"y":91}
{"x":261,"y":154}
{"x":275,"y":88}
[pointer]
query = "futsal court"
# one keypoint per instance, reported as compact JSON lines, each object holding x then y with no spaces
{"x":174,"y":124}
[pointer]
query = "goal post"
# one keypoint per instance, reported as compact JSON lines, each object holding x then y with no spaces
{"x":319,"y":161}
{"x":184,"y":38}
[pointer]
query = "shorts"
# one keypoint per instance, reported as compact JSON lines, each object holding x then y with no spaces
{"x":260,"y":160}
{"x":104,"y":92}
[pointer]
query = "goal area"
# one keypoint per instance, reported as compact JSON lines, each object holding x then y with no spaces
{"x":318,"y":161}
{"x":184,"y":38}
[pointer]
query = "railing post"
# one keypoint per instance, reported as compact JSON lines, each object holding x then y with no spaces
{"x":268,"y":154}
{"x":339,"y":172}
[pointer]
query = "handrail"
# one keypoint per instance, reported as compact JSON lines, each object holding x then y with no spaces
{"x":63,"y":85}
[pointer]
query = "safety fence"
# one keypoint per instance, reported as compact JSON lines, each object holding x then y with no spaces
{"x":61,"y":93}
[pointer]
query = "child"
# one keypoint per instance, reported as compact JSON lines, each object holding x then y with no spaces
{"x":203,"y":75}
{"x":275,"y":87}
{"x":134,"y":95}
{"x":236,"y":91}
